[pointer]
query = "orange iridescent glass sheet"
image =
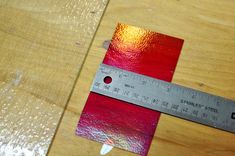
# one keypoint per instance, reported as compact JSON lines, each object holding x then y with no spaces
{"x":128,"y":126}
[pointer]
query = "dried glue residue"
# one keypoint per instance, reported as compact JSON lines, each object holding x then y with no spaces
{"x":27,"y":124}
{"x":105,"y":149}
{"x":106,"y":44}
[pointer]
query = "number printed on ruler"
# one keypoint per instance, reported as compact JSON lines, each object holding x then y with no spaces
{"x":165,"y":97}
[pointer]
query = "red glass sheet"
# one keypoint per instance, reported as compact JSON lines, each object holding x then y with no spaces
{"x":119,"y":123}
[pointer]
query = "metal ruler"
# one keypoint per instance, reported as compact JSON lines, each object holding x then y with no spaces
{"x":176,"y":100}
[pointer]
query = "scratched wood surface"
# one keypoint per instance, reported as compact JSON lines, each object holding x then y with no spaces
{"x":207,"y":63}
{"x":42,"y":47}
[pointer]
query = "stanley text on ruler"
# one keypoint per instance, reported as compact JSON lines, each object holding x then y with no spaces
{"x":176,"y":100}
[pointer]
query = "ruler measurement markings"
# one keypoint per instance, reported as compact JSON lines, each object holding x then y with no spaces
{"x":166,"y":97}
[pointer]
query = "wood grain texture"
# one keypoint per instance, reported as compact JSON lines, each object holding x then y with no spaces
{"x":207,"y":63}
{"x":42,"y":48}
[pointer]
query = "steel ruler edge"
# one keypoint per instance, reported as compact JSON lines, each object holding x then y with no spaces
{"x":165,"y":97}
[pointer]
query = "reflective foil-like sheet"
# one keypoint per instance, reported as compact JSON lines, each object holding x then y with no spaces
{"x":119,"y":123}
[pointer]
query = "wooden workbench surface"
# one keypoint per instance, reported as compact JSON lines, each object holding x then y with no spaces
{"x":43,"y":44}
{"x":207,"y":63}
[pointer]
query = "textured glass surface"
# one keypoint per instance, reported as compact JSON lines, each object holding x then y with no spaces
{"x":42,"y":47}
{"x":118,"y":123}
